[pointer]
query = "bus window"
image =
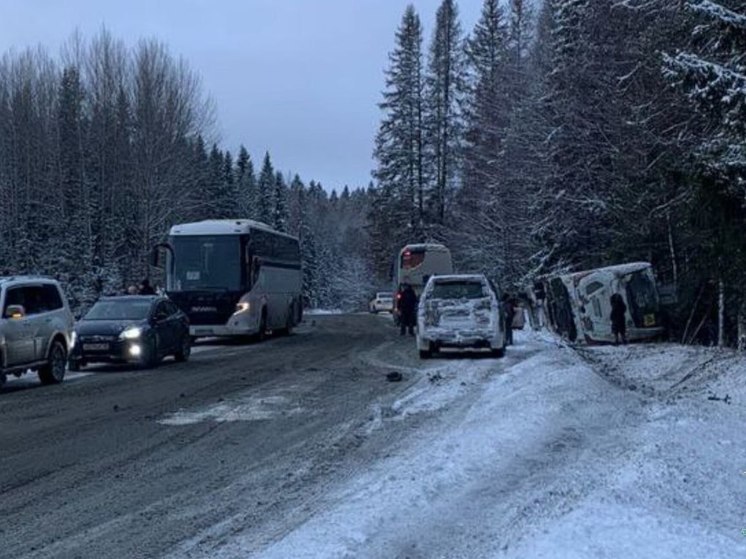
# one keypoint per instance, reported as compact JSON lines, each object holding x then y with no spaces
{"x":412,"y":258}
{"x":642,"y":298}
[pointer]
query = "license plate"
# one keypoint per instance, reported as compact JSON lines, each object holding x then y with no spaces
{"x":649,"y":320}
{"x":95,"y":347}
{"x":203,"y":331}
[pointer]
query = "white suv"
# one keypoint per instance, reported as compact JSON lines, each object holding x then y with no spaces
{"x":36,"y":328}
{"x":460,"y":311}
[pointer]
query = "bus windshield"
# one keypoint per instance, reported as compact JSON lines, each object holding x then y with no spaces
{"x":206,"y":263}
{"x":641,"y":295}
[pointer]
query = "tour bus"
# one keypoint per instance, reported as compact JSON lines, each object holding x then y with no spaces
{"x":417,"y":262}
{"x":578,"y":304}
{"x":234,"y":277}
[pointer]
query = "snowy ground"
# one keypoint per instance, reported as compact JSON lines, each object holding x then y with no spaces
{"x":613,"y":452}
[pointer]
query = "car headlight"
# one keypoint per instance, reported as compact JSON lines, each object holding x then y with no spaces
{"x":243,"y":306}
{"x":131,"y":333}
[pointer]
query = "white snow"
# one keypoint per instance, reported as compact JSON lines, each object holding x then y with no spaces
{"x":539,"y":456}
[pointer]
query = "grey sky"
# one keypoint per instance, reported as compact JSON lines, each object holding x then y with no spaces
{"x":300,"y":78}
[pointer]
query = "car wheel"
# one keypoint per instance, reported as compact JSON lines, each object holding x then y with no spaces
{"x":3,"y":378}
{"x":53,"y":371}
{"x":425,"y":354}
{"x":150,"y":357}
{"x":185,"y":350}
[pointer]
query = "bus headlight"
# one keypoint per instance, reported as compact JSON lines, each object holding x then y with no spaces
{"x":131,"y":333}
{"x":242,"y":307}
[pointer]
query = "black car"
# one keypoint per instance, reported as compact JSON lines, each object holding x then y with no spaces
{"x":141,"y":329}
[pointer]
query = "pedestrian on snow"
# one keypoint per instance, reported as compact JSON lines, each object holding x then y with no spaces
{"x":407,"y":307}
{"x":509,"y":312}
{"x":146,"y":288}
{"x":618,"y":318}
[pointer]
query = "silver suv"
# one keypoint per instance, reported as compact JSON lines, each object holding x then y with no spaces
{"x":36,"y":328}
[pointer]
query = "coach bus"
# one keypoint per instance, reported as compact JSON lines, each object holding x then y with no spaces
{"x":234,"y":277}
{"x":416,"y":263}
{"x":578,"y":304}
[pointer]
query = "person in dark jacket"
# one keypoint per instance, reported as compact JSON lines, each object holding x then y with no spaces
{"x":407,"y":307}
{"x":618,"y":318}
{"x":509,"y":312}
{"x":146,"y":288}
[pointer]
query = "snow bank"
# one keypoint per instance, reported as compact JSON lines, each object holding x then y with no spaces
{"x":539,"y":455}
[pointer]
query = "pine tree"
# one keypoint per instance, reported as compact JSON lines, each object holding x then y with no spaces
{"x":246,"y":184}
{"x":443,"y":124}
{"x":229,"y":197}
{"x":280,"y":216}
{"x":265,"y":194}
{"x":399,"y":143}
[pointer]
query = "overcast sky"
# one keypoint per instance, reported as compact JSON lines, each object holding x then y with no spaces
{"x":300,"y":78}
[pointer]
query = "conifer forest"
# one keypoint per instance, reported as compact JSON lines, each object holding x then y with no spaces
{"x":554,"y":135}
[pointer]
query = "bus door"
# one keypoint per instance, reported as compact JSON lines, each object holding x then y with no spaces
{"x":595,"y":306}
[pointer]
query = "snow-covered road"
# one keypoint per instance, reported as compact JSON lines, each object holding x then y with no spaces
{"x":300,"y":448}
{"x":541,"y":456}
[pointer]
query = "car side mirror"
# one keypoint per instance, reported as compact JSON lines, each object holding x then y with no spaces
{"x":15,"y":312}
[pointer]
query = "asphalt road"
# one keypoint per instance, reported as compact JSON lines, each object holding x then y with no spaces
{"x":132,"y":463}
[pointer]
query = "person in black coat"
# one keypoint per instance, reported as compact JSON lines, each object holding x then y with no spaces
{"x":618,"y":318}
{"x":509,"y":312}
{"x":407,"y":307}
{"x":146,"y":288}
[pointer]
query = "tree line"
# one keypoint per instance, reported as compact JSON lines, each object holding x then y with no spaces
{"x":572,"y":135}
{"x":106,"y":146}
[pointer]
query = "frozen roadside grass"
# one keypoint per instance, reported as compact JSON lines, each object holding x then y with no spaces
{"x":670,"y":370}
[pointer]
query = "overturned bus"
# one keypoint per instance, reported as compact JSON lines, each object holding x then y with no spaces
{"x":578,"y":304}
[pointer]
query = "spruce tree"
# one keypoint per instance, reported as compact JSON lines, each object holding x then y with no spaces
{"x":280,"y":216}
{"x":399,"y":148}
{"x":246,"y":184}
{"x":445,"y":85}
{"x":265,"y":194}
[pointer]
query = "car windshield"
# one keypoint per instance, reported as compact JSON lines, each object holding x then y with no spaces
{"x":458,"y":290}
{"x":119,"y":310}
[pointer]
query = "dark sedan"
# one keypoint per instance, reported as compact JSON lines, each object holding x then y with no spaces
{"x":140,"y":329}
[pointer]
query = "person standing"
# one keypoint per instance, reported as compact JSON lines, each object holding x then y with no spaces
{"x":618,"y":318}
{"x":146,"y":288}
{"x":407,"y":307}
{"x":509,"y":312}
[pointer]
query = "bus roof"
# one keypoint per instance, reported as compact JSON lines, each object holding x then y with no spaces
{"x":433,"y":247}
{"x":223,"y":227}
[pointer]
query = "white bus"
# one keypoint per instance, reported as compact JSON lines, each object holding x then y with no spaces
{"x":416,"y":263}
{"x":579,"y":303}
{"x":234,"y":277}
